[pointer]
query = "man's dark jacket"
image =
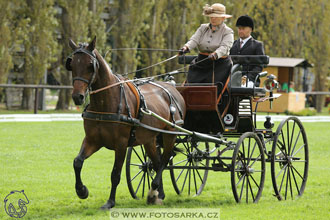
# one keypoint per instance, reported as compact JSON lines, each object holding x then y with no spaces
{"x":251,"y":47}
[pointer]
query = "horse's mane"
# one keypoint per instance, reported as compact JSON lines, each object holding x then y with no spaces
{"x":102,"y":62}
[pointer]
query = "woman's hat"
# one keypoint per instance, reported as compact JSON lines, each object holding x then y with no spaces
{"x":216,"y":10}
{"x":245,"y":21}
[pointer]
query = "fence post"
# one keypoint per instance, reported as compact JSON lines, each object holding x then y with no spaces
{"x":36,"y":101}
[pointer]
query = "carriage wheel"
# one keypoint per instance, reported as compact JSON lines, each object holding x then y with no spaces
{"x":289,"y":159}
{"x":186,"y":166}
{"x":139,"y":172}
{"x":248,"y":168}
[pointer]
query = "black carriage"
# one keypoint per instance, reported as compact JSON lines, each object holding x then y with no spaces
{"x":221,"y":134}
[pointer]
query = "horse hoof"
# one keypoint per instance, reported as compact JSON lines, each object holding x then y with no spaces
{"x":153,"y":198}
{"x":108,"y":205}
{"x":83,"y":192}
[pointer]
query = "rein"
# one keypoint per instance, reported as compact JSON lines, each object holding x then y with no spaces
{"x":145,"y":78}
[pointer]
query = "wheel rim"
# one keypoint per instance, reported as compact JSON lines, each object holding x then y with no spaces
{"x":186,"y":167}
{"x":248,"y":168}
{"x":289,"y":161}
{"x":139,"y":172}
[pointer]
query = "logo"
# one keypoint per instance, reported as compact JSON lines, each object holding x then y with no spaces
{"x":15,"y":204}
{"x":228,"y":119}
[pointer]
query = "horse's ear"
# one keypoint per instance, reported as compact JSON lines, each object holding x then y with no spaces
{"x":91,"y":45}
{"x":73,"y":45}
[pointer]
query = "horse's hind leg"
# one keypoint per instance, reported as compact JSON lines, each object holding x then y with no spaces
{"x":120,"y":154}
{"x":156,"y":193}
{"x":86,"y":150}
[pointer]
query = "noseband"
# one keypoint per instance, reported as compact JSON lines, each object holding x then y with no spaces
{"x":95,"y":66}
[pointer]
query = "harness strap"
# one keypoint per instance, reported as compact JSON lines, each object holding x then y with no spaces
{"x":137,"y":95}
{"x":123,"y":119}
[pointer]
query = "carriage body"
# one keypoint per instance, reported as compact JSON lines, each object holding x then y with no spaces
{"x":216,"y":115}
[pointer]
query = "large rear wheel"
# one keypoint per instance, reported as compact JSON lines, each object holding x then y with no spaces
{"x":248,"y":168}
{"x":289,"y":159}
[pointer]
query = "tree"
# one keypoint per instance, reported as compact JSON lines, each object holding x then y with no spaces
{"x":6,"y":39}
{"x":80,"y":21}
{"x":127,"y":31}
{"x":39,"y":42}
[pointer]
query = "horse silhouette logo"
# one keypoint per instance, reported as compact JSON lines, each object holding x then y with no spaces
{"x":15,"y":204}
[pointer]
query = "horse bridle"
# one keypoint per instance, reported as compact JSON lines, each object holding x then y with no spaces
{"x":94,"y":61}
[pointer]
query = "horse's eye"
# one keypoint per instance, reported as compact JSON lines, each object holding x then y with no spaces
{"x":90,"y":68}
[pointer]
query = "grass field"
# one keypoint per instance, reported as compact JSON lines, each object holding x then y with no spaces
{"x":37,"y":157}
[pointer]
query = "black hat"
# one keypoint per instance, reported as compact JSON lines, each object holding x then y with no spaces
{"x":245,"y":21}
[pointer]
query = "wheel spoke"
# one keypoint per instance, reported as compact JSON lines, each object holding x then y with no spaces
{"x":283,"y":178}
{"x":180,"y":162}
{"x":295,"y":181}
{"x":255,"y":144}
{"x":137,"y":188}
{"x":181,"y":172}
{"x":297,"y":172}
{"x":284,"y":143}
{"x":144,"y":183}
{"x":281,"y":171}
{"x":289,"y":173}
{"x":134,"y":164}
{"x":251,"y":189}
{"x":298,"y":150}
{"x":286,"y":185}
{"x":240,"y":196}
{"x":184,"y":182}
{"x":136,"y":175}
{"x":240,"y":179}
{"x":255,"y":160}
{"x":294,"y":125}
{"x":137,"y":155}
{"x":255,"y":182}
{"x":199,"y":175}
{"x":295,"y":144}
{"x":195,"y":180}
{"x":247,"y":189}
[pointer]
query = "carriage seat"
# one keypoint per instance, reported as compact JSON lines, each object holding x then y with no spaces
{"x":247,"y":91}
{"x":240,"y":59}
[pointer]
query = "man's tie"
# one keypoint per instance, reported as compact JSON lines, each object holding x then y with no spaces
{"x":241,"y":44}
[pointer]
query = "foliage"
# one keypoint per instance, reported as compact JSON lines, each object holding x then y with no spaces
{"x":288,"y":28}
{"x":80,"y":21}
{"x":38,"y":157}
{"x":6,"y":39}
{"x":304,"y":112}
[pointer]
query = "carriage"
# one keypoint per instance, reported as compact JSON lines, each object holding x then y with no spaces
{"x":221,"y":134}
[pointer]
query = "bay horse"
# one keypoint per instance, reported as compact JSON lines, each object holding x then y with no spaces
{"x":111,"y":97}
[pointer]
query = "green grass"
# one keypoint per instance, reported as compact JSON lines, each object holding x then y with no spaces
{"x":38,"y":157}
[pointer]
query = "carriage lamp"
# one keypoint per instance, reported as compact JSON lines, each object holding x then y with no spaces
{"x":268,"y":124}
{"x":270,"y":84}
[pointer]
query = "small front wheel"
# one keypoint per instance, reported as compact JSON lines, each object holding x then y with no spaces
{"x":248,"y":168}
{"x":139,"y":172}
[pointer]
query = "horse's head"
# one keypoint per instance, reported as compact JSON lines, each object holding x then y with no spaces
{"x":84,"y":66}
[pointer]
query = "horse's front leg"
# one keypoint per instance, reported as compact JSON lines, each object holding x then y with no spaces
{"x":156,"y":193}
{"x":120,"y":154}
{"x":86,"y":150}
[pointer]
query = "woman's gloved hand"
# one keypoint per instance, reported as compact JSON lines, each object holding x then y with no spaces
{"x":183,"y":50}
{"x":213,"y":56}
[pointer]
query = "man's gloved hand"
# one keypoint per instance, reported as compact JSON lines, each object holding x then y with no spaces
{"x":183,"y":50}
{"x":213,"y":56}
